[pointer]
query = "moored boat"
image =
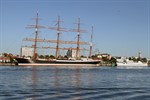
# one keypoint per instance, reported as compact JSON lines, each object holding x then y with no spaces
{"x":126,"y":62}
{"x":29,"y":62}
{"x":132,"y":64}
{"x":34,"y":61}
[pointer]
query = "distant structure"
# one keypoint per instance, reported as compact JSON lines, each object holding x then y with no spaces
{"x":72,"y":53}
{"x":106,"y":55}
{"x":26,"y":51}
{"x":4,"y":60}
{"x":139,"y":55}
{"x":69,"y":53}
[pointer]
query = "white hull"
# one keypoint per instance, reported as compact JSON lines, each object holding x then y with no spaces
{"x":132,"y":64}
{"x":47,"y":64}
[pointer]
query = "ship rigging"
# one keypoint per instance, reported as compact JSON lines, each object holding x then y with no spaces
{"x":77,"y":60}
{"x":58,"y":41}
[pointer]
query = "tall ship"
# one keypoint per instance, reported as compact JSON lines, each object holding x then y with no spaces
{"x":69,"y":60}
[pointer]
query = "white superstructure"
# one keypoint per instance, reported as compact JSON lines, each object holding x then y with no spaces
{"x":127,"y":62}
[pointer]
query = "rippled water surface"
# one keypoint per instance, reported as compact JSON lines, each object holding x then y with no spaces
{"x":74,"y":83}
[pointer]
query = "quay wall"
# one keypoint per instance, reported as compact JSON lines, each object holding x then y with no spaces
{"x":7,"y":64}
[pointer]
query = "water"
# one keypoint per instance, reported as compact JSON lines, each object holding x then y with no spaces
{"x":72,"y":83}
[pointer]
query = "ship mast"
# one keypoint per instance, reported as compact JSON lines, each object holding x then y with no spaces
{"x":35,"y":40}
{"x":58,"y":35}
{"x":36,"y":36}
{"x":58,"y":41}
{"x":91,"y":42}
{"x":78,"y":30}
{"x":78,"y":39}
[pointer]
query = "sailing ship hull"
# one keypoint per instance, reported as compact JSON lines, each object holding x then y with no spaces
{"x":28,"y":62}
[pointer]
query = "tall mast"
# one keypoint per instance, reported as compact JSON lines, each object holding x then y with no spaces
{"x":58,"y":29}
{"x":36,"y":36}
{"x":78,"y":30}
{"x":58,"y":35}
{"x":78,"y":39}
{"x":91,"y":42}
{"x":35,"y":40}
{"x":58,"y":41}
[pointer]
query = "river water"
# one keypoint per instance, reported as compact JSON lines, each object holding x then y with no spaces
{"x":74,"y":83}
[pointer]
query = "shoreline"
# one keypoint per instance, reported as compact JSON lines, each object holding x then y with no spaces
{"x":7,"y":64}
{"x":13,"y":64}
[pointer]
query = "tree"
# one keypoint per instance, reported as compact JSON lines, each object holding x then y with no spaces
{"x":82,"y":56}
{"x":138,"y":59}
{"x":113,"y":60}
{"x":105,"y":59}
{"x":134,"y":59}
{"x":47,"y":56}
{"x":41,"y":56}
{"x":5,"y":54}
{"x":52,"y":57}
{"x":94,"y":56}
{"x":144,"y":60}
{"x":130,"y":58}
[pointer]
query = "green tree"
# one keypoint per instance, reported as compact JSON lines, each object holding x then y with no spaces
{"x":94,"y":56}
{"x":149,"y":62}
{"x":105,"y":59}
{"x":144,"y":60}
{"x":41,"y":56}
{"x":134,"y":59}
{"x":52,"y":57}
{"x":130,"y":58}
{"x":47,"y":56}
{"x":113,"y":60}
{"x":5,"y":54}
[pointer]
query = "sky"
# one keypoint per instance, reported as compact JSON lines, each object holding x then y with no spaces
{"x":121,"y":27}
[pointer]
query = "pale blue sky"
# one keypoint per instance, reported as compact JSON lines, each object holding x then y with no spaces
{"x":121,"y":27}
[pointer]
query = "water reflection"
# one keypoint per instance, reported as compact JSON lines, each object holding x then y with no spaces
{"x":57,"y":81}
{"x":57,"y":78}
{"x":71,"y":80}
{"x":77,"y":78}
{"x":77,"y":84}
{"x":34,"y":82}
{"x":53,"y":83}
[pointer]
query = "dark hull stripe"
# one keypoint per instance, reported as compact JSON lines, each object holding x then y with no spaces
{"x":22,"y":60}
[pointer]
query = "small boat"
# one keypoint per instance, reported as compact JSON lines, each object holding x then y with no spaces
{"x":126,"y":62}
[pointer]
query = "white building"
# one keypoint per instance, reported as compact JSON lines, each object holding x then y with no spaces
{"x":4,"y":60}
{"x":106,"y":55}
{"x":26,"y":51}
{"x":74,"y":53}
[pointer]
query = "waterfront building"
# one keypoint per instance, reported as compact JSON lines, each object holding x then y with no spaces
{"x":4,"y":60}
{"x":106,"y":55}
{"x":69,"y":53}
{"x":72,"y":53}
{"x":26,"y":51}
